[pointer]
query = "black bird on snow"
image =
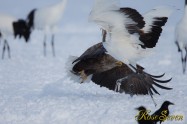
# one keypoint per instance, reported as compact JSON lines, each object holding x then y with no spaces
{"x":106,"y":72}
{"x":141,"y":116}
{"x":164,"y":109}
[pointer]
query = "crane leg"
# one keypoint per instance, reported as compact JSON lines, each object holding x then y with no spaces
{"x":4,"y":49}
{"x":8,"y":48}
{"x":53,"y":44}
{"x":44,"y":45}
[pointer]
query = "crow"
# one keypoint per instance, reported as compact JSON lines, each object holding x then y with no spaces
{"x":142,"y":117}
{"x":163,"y":112}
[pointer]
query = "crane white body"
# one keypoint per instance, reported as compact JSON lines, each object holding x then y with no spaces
{"x":6,"y":25}
{"x":47,"y":19}
{"x":181,"y":37}
{"x":121,"y":44}
{"x":10,"y":26}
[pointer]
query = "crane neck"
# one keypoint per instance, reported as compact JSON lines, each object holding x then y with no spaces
{"x":61,"y":5}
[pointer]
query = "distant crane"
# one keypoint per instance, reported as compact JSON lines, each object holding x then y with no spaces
{"x":46,"y":19}
{"x":181,"y":38}
{"x":10,"y":26}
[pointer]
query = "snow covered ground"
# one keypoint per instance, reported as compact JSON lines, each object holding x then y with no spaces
{"x":35,"y":89}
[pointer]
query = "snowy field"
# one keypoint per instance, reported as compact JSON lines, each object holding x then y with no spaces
{"x":35,"y":89}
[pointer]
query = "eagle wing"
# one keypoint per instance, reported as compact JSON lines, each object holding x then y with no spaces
{"x":108,"y":78}
{"x":123,"y":79}
{"x":92,"y":52}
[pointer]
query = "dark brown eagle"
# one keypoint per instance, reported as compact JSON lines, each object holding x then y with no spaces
{"x":106,"y":72}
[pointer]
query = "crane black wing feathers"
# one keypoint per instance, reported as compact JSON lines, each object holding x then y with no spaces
{"x":30,"y":18}
{"x":135,"y":16}
{"x":149,"y":39}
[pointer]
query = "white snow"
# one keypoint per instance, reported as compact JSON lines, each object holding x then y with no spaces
{"x":35,"y":89}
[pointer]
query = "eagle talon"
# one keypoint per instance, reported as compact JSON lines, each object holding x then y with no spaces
{"x":83,"y":76}
{"x":119,"y":63}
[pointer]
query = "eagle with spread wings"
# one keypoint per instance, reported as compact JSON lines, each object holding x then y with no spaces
{"x":105,"y":72}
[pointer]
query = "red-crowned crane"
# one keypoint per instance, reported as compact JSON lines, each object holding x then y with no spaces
{"x":181,"y":38}
{"x":10,"y":26}
{"x":46,"y":19}
{"x":129,"y":35}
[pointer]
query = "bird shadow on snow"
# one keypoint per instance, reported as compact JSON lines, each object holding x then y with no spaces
{"x":70,"y":86}
{"x":65,"y":87}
